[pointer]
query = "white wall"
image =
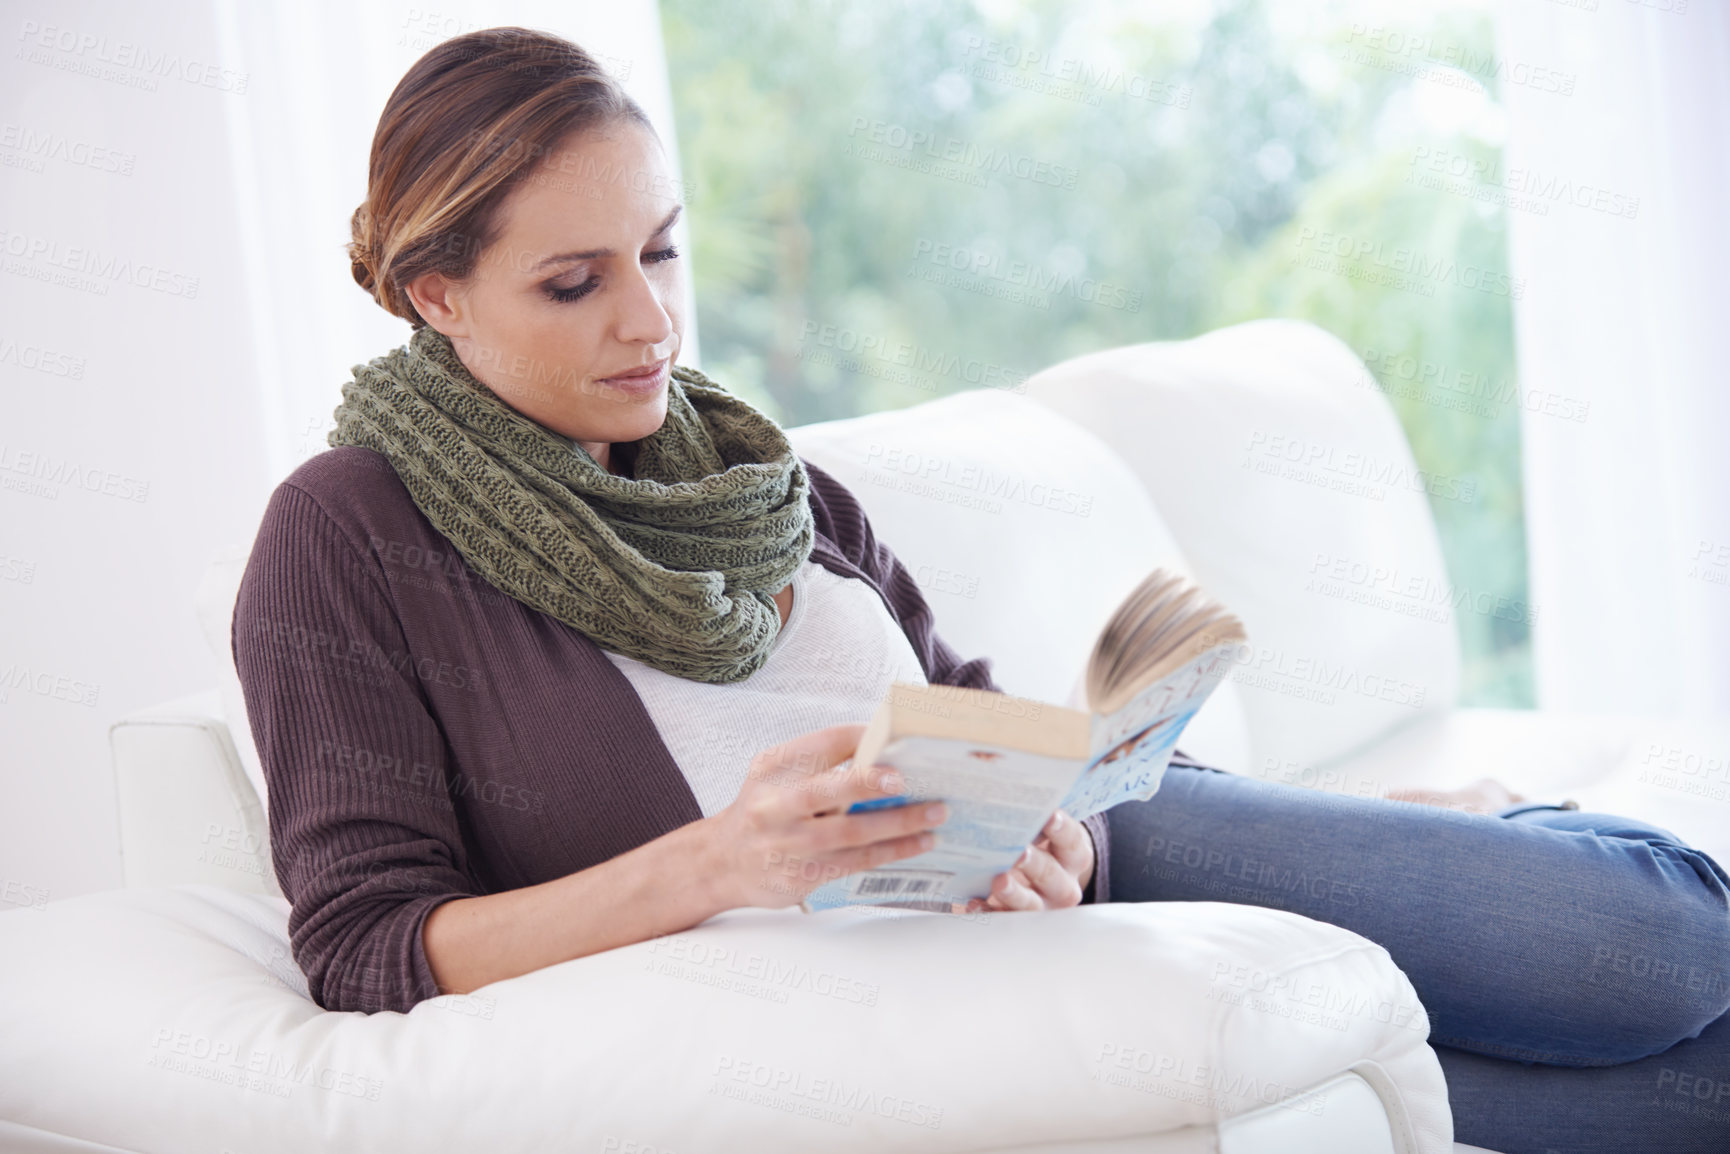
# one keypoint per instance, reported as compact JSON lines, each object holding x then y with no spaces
{"x":176,"y":321}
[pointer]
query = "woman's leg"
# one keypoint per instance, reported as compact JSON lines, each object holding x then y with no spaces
{"x":1526,"y":937}
{"x":1677,"y":1102}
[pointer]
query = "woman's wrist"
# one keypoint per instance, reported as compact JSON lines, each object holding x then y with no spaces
{"x":699,"y":869}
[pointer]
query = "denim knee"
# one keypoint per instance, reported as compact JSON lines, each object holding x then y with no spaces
{"x":1668,"y":988}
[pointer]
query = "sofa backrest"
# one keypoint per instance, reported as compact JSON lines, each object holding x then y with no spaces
{"x":1286,"y":478}
{"x":1023,"y":530}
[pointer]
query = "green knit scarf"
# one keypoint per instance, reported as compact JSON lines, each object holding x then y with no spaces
{"x":675,"y":567}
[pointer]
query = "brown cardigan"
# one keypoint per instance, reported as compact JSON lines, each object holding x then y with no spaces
{"x":425,"y":736}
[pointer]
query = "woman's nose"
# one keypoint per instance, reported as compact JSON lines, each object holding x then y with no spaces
{"x":642,"y":316}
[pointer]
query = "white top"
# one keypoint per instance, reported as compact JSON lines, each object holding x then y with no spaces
{"x":831,"y":664}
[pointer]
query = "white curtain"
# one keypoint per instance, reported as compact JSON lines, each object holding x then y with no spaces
{"x":1625,"y":137}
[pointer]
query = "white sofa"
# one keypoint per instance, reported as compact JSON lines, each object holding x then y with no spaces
{"x":1025,"y":518}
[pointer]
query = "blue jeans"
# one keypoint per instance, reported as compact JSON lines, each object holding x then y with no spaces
{"x":1575,"y":966}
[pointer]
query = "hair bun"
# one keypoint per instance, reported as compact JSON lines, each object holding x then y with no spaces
{"x":362,"y":260}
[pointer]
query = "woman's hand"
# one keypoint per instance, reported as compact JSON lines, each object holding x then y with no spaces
{"x":788,"y":831}
{"x":1486,"y":795}
{"x":1051,"y":874}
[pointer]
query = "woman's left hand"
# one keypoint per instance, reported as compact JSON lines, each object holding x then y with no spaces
{"x":1051,"y":873}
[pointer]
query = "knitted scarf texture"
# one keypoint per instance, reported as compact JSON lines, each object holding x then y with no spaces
{"x":674,"y":567}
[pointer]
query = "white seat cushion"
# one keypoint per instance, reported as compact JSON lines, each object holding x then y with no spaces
{"x":174,"y":1019}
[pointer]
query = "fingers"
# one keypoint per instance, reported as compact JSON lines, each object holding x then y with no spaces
{"x":809,"y":753}
{"x":848,"y":831}
{"x":1010,"y":891}
{"x":846,"y":861}
{"x":1037,"y":882}
{"x":804,"y":774}
{"x":1055,"y":886}
{"x":1069,"y":844}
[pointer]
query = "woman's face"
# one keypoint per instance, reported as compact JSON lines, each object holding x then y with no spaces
{"x":573,"y":316}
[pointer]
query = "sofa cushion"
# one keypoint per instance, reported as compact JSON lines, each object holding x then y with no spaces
{"x":1287,"y":480}
{"x":1024,"y":531}
{"x":175,"y":1019}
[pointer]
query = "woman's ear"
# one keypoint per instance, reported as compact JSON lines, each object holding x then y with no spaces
{"x":440,"y":302}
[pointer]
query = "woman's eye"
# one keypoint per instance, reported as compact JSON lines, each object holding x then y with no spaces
{"x":578,"y":292}
{"x":575,"y":292}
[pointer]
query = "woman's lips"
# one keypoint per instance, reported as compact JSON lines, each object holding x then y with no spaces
{"x":641,"y":382}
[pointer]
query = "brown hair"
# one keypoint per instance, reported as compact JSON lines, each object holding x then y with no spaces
{"x":469,"y":120}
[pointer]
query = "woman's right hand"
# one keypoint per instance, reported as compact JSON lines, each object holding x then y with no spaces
{"x":789,"y":831}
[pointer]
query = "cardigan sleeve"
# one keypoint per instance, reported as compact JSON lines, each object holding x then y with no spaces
{"x":842,"y":519}
{"x":364,"y":836}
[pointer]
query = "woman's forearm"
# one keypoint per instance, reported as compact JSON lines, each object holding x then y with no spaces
{"x":658,"y":888}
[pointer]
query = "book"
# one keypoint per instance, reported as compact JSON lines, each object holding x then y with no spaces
{"x":1005,"y":764}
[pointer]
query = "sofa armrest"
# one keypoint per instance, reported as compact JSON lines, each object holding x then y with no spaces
{"x":187,"y":812}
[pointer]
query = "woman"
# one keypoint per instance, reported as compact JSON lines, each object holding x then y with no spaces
{"x":561,"y":647}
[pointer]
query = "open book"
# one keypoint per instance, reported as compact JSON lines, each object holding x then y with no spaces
{"x":1005,"y":764}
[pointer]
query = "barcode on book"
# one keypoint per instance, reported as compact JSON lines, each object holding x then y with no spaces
{"x":885,"y":885}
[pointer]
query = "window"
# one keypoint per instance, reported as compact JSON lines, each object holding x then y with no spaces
{"x":872,"y":178}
